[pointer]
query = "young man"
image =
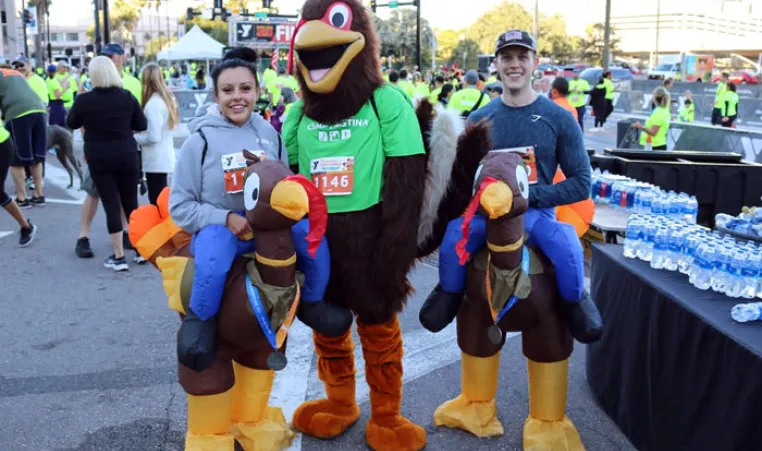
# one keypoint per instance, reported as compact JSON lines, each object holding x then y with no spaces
{"x":524,"y":120}
{"x":722,"y":86}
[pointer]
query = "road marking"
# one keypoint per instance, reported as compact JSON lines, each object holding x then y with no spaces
{"x":58,"y":177}
{"x":65,"y":201}
{"x":4,"y":234}
{"x":290,"y":387}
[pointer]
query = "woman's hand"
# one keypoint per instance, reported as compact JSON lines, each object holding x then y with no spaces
{"x":238,"y":225}
{"x":725,"y":119}
{"x":637,"y":125}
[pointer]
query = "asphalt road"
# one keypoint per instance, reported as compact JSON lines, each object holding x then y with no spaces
{"x":87,"y":361}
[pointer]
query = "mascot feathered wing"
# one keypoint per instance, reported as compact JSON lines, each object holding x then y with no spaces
{"x":391,"y":186}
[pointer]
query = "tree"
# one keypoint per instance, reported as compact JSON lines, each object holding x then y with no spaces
{"x":217,"y":29}
{"x":398,"y":37}
{"x":43,"y":6}
{"x":490,"y":25}
{"x":447,"y":40}
{"x":591,"y":46}
{"x":553,"y":40}
{"x":466,"y":54}
{"x":154,"y":46}
{"x":123,"y":18}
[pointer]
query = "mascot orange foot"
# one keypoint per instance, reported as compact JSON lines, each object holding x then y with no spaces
{"x":330,"y":417}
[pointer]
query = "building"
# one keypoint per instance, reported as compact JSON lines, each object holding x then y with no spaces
{"x":68,"y":42}
{"x":12,"y":36}
{"x":714,"y":27}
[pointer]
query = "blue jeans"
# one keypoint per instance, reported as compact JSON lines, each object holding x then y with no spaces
{"x":215,"y":248}
{"x":558,"y":241}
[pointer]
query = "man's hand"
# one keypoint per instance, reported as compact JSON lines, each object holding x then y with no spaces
{"x":725,"y":119}
{"x":637,"y":125}
{"x":238,"y":225}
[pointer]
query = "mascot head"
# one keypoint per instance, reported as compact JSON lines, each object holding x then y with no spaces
{"x":335,"y":55}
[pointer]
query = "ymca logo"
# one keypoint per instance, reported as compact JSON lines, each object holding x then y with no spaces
{"x":200,"y":98}
{"x":334,"y":135}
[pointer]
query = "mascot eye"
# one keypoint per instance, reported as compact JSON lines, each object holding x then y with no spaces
{"x":251,"y":191}
{"x":522,"y":179}
{"x":340,"y":16}
{"x":476,"y":179}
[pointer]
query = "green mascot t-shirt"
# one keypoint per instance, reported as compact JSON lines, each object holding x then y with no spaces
{"x":345,"y":161}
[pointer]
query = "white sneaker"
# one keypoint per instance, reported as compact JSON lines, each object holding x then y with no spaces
{"x":117,"y":264}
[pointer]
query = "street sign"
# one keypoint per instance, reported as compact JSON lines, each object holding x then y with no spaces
{"x":262,"y":33}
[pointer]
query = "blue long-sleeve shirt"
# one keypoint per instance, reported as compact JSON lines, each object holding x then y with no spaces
{"x":555,"y":139}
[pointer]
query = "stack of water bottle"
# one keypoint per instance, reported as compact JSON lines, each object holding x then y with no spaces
{"x":625,"y":194}
{"x":707,"y":258}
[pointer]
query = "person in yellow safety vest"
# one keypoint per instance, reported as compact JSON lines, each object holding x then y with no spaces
{"x":405,"y":84}
{"x":722,"y":86}
{"x":68,"y":83}
{"x":56,"y":109}
{"x":439,"y":81}
{"x":654,"y":131}
{"x":115,"y":53}
{"x":578,"y":89}
{"x":193,"y":67}
{"x":492,"y":78}
{"x":292,"y":82}
{"x":276,"y":85}
{"x":268,"y":76}
{"x":421,"y":87}
{"x":687,"y":111}
{"x":608,"y":85}
{"x":468,"y":99}
{"x":36,"y":82}
{"x":166,"y":73}
{"x":729,"y":105}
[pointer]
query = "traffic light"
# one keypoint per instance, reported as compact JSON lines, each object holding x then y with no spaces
{"x":373,"y":5}
{"x":189,"y":14}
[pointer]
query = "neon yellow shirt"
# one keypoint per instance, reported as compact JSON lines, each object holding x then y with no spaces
{"x":4,"y":135}
{"x":609,"y":85}
{"x":53,"y":84}
{"x":577,"y":89}
{"x":346,"y":160}
{"x":659,"y":117}
{"x":729,"y":104}
{"x":434,"y":97}
{"x":721,"y":88}
{"x":687,"y":113}
{"x":422,"y":89}
{"x":133,"y":85}
{"x":407,"y":88}
{"x":38,"y":86}
{"x":493,"y":79}
{"x":464,"y":100}
{"x":68,"y":95}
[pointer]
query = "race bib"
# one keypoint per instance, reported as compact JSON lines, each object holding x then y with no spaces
{"x":527,"y":153}
{"x":233,"y":168}
{"x":333,"y":176}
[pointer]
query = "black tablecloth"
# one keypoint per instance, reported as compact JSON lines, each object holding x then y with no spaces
{"x":673,"y":370}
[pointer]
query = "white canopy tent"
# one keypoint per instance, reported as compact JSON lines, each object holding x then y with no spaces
{"x":195,"y":45}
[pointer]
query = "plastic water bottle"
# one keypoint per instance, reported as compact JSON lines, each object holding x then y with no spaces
{"x":658,"y":207}
{"x":633,"y":236}
{"x":751,"y":275}
{"x":646,"y":249}
{"x":661,"y":246}
{"x":747,"y":312}
{"x":735,"y":281}
{"x":674,"y":252}
{"x":721,"y":266}
{"x":701,"y":276}
{"x":690,"y":244}
{"x":673,"y":207}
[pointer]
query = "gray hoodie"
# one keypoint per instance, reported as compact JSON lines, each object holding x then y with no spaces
{"x":198,"y":198}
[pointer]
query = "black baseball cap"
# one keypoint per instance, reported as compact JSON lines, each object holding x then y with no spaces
{"x":517,"y":38}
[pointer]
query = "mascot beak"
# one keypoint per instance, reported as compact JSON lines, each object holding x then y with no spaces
{"x":290,"y":199}
{"x":323,"y":54}
{"x":497,"y":199}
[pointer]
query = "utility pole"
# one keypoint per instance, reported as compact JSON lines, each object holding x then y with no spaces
{"x":658,"y":20}
{"x":106,"y":32}
{"x":418,"y":34}
{"x":607,"y":37}
{"x":23,"y":24}
{"x":536,"y":31}
{"x":47,"y":30}
{"x":97,"y":40}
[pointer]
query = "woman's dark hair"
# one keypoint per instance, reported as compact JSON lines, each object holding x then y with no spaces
{"x":447,"y":88}
{"x":731,"y":86}
{"x":688,"y":101}
{"x":233,"y":63}
{"x":241,"y":53}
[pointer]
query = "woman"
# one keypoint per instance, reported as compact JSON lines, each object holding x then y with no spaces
{"x":200,"y":81}
{"x":599,"y":104}
{"x":110,"y":115}
{"x":445,"y":94}
{"x":206,"y":201}
{"x":729,"y":105}
{"x":654,"y":132}
{"x":28,"y":230}
{"x":157,"y":147}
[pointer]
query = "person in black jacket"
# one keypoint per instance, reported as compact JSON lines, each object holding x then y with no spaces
{"x":599,"y":104}
{"x":110,"y":115}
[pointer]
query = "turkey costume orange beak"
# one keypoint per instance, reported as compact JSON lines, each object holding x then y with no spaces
{"x":495,"y":198}
{"x":322,"y":49}
{"x":294,"y":197}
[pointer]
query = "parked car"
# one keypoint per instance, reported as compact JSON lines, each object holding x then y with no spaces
{"x":547,"y":69}
{"x":741,"y":77}
{"x":593,"y":74}
{"x":569,"y":69}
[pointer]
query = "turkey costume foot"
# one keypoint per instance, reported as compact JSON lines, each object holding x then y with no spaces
{"x":390,"y":196}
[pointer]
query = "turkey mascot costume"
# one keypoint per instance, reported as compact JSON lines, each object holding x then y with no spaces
{"x":392,"y":177}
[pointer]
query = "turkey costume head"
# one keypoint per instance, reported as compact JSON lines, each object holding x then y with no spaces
{"x":334,"y":53}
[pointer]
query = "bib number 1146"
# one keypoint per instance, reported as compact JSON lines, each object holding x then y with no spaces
{"x":333,"y":176}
